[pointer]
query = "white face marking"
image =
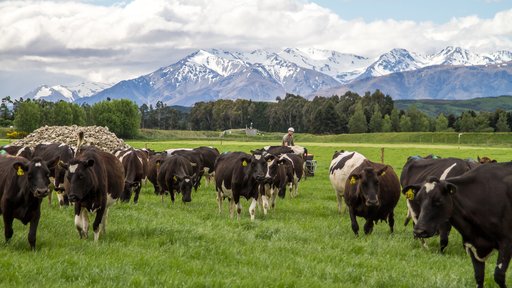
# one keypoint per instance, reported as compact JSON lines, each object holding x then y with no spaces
{"x":445,"y":173}
{"x":72,"y":168}
{"x":257,"y":157}
{"x":500,"y":265}
{"x":37,"y":164}
{"x":187,"y":180}
{"x":268,"y":170}
{"x":429,"y":186}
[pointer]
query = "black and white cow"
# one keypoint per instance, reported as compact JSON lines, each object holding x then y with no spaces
{"x":479,"y":205}
{"x":294,"y":167}
{"x":417,"y":170}
{"x":176,"y":174}
{"x":135,"y":164}
{"x":23,"y":185}
{"x":279,"y":150}
{"x":372,"y":191}
{"x":195,"y":158}
{"x":16,"y":150}
{"x":239,"y":174}
{"x":51,"y":151}
{"x":208,"y":156}
{"x":94,"y":181}
{"x":342,"y":165}
{"x":153,"y":168}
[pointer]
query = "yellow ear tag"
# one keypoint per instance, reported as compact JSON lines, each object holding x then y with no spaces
{"x":352,"y":180}
{"x":174,"y":178}
{"x":383,"y":173}
{"x":409,"y":194}
{"x":20,"y":171}
{"x":244,"y":163}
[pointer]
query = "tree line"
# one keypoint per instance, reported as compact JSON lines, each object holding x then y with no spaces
{"x":349,"y":113}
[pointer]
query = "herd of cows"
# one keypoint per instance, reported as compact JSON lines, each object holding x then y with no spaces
{"x":473,"y":197}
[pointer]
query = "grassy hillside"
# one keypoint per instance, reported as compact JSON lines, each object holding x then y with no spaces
{"x":435,"y":107}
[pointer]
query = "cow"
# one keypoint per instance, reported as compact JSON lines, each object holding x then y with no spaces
{"x":135,"y":164}
{"x":372,"y":191}
{"x":208,"y":155}
{"x":275,"y":183}
{"x":94,"y":181}
{"x":478,"y":205}
{"x":16,"y":150}
{"x":342,"y":164}
{"x":23,"y":185}
{"x":51,"y":151}
{"x":278,"y":150}
{"x":176,"y":174}
{"x":294,"y":167}
{"x":417,"y":170}
{"x":239,"y":174}
{"x":195,"y":157}
{"x":153,"y":168}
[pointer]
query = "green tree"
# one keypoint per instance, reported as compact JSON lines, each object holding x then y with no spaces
{"x":395,"y":120}
{"x":63,"y":114}
{"x":441,"y":123}
{"x":501,"y":124}
{"x":28,"y":116}
{"x":386,"y":124}
{"x":466,"y":123}
{"x":375,"y":124}
{"x":121,"y":116}
{"x":357,"y":123}
{"x":405,"y":124}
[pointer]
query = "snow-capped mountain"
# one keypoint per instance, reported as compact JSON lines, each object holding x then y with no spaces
{"x":263,"y":75}
{"x":66,"y":93}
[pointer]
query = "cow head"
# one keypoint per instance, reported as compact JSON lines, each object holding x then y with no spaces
{"x":128,"y":189}
{"x":434,"y":198}
{"x":34,"y":175}
{"x":257,"y":166}
{"x":272,"y":165}
{"x":368,"y":184}
{"x":81,"y":178}
{"x":185,"y":185}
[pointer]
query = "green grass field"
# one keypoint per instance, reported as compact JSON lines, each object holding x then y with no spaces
{"x":304,"y":242}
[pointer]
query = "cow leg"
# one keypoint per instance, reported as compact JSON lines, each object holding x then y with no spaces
{"x":103,"y":223}
{"x":232,"y":206}
{"x":444,"y":232}
{"x":295,"y":186}
{"x":219,"y":201}
{"x":273,"y":195}
{"x":137,"y":192}
{"x":8,"y":231}
{"x":172,"y":195}
{"x":291,"y":190}
{"x":368,"y":226}
{"x":34,"y":222}
{"x":504,"y":255}
{"x":353,"y":220}
{"x":339,"y":199}
{"x":479,"y":269}
{"x":252,"y":208}
{"x":391,"y":221}
{"x":97,"y":221}
{"x":81,"y":221}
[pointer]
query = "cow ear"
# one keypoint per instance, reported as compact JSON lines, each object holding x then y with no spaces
{"x":494,"y":161}
{"x":478,"y":158}
{"x":193,"y":164}
{"x":410,"y":191}
{"x":20,"y":168}
{"x":451,"y":188}
{"x":89,"y":163}
{"x":382,"y":171}
{"x":353,"y":178}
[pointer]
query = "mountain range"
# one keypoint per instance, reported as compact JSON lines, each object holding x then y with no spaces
{"x":263,"y":75}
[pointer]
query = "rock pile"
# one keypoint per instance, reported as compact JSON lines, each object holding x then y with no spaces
{"x":93,"y":135}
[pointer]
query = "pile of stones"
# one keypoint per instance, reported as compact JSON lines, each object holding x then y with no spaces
{"x":93,"y":135}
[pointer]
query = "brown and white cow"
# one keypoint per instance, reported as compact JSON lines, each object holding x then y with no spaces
{"x":154,"y":163}
{"x":342,"y":165}
{"x":94,"y":181}
{"x":372,"y":191}
{"x":239,"y":174}
{"x":195,"y":157}
{"x":51,"y":151}
{"x":478,"y":204}
{"x":23,"y":185}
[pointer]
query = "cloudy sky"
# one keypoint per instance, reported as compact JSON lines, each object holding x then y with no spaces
{"x":66,"y":42}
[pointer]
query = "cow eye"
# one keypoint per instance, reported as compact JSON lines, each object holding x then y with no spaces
{"x":437,"y":203}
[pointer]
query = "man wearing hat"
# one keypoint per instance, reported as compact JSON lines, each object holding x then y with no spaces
{"x":288,"y":138}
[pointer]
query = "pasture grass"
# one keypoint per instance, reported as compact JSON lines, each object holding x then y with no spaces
{"x":304,"y":242}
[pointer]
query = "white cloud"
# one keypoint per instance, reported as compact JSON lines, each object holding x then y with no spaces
{"x":111,"y":43}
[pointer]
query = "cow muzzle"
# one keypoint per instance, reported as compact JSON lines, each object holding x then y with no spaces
{"x":422,"y":233}
{"x":41,"y":192}
{"x":372,"y":202}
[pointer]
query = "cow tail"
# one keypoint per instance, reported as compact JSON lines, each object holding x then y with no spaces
{"x":79,"y":142}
